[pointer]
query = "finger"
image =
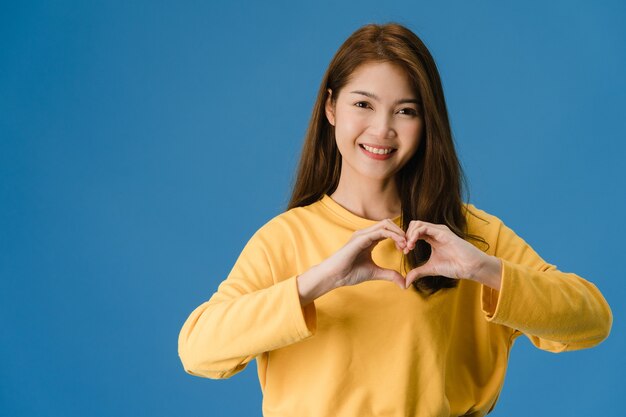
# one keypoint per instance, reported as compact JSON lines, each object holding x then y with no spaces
{"x":392,"y":276}
{"x":389,"y":224}
{"x":399,"y":239}
{"x":385,"y":224}
{"x":411,"y":239}
{"x":377,"y":235}
{"x":400,"y":245}
{"x":411,"y":232}
{"x":417,"y":273}
{"x":432,"y":226}
{"x":425,"y":232}
{"x":435,"y":225}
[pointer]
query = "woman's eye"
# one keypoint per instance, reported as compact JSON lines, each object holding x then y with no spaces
{"x":409,"y":111}
{"x":361,"y":104}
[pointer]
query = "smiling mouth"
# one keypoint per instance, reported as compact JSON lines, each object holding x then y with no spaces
{"x":377,"y":151}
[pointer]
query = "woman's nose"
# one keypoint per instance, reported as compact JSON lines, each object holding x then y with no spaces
{"x":382,"y":126}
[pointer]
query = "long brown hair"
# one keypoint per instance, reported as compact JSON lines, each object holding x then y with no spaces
{"x":430,"y":183}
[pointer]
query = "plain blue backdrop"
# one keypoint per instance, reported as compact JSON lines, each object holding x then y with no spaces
{"x":143,"y":143}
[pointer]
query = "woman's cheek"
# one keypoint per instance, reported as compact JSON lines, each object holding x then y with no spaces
{"x":347,"y":132}
{"x":415,"y":133}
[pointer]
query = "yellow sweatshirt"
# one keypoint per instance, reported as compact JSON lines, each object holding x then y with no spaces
{"x":373,"y":349}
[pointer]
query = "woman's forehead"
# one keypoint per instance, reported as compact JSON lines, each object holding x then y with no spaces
{"x":381,"y":80}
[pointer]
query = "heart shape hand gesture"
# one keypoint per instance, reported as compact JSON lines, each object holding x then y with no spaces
{"x":451,"y":256}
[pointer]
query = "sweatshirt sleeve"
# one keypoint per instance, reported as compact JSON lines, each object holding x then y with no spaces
{"x":558,"y":311}
{"x":255,"y":309}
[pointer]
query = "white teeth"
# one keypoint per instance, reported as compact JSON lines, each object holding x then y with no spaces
{"x":378,"y":151}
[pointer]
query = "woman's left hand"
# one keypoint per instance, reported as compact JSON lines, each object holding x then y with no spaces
{"x":451,"y":256}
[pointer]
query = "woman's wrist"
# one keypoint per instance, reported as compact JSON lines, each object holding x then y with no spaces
{"x":314,"y":283}
{"x":489,"y":272}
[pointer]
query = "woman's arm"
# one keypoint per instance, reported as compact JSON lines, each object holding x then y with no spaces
{"x":557,"y":311}
{"x":314,"y":283}
{"x":253,"y":311}
{"x":263,"y":305}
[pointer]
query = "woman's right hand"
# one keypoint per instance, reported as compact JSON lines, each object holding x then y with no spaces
{"x":353,"y":264}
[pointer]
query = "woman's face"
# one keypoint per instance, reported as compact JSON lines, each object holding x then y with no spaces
{"x":374,"y":113}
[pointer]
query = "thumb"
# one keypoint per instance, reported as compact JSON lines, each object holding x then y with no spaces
{"x":417,"y":273}
{"x":390,"y":275}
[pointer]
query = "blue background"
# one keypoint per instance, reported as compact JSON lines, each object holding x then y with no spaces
{"x":143,"y":143}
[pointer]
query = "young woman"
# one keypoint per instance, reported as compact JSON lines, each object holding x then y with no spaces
{"x":378,"y":291}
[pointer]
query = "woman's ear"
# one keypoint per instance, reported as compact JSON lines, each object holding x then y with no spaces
{"x":330,"y":108}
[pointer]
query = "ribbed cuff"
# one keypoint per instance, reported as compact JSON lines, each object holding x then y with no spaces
{"x":304,"y":318}
{"x":494,"y":301}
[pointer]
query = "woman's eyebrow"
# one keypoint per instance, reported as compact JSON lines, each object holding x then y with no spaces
{"x":375,"y":97}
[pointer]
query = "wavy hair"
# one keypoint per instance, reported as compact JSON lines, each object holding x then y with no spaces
{"x":430,"y":183}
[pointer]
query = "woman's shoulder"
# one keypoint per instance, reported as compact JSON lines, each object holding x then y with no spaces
{"x":481,"y":222}
{"x":478,"y":215}
{"x":286,"y":222}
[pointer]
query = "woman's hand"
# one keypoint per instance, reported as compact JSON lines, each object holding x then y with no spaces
{"x":353,"y":264}
{"x":450,"y":256}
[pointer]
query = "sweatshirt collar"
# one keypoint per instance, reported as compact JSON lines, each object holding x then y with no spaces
{"x":342,"y":212}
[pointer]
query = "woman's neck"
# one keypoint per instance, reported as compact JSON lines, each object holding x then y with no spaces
{"x":368,"y":201}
